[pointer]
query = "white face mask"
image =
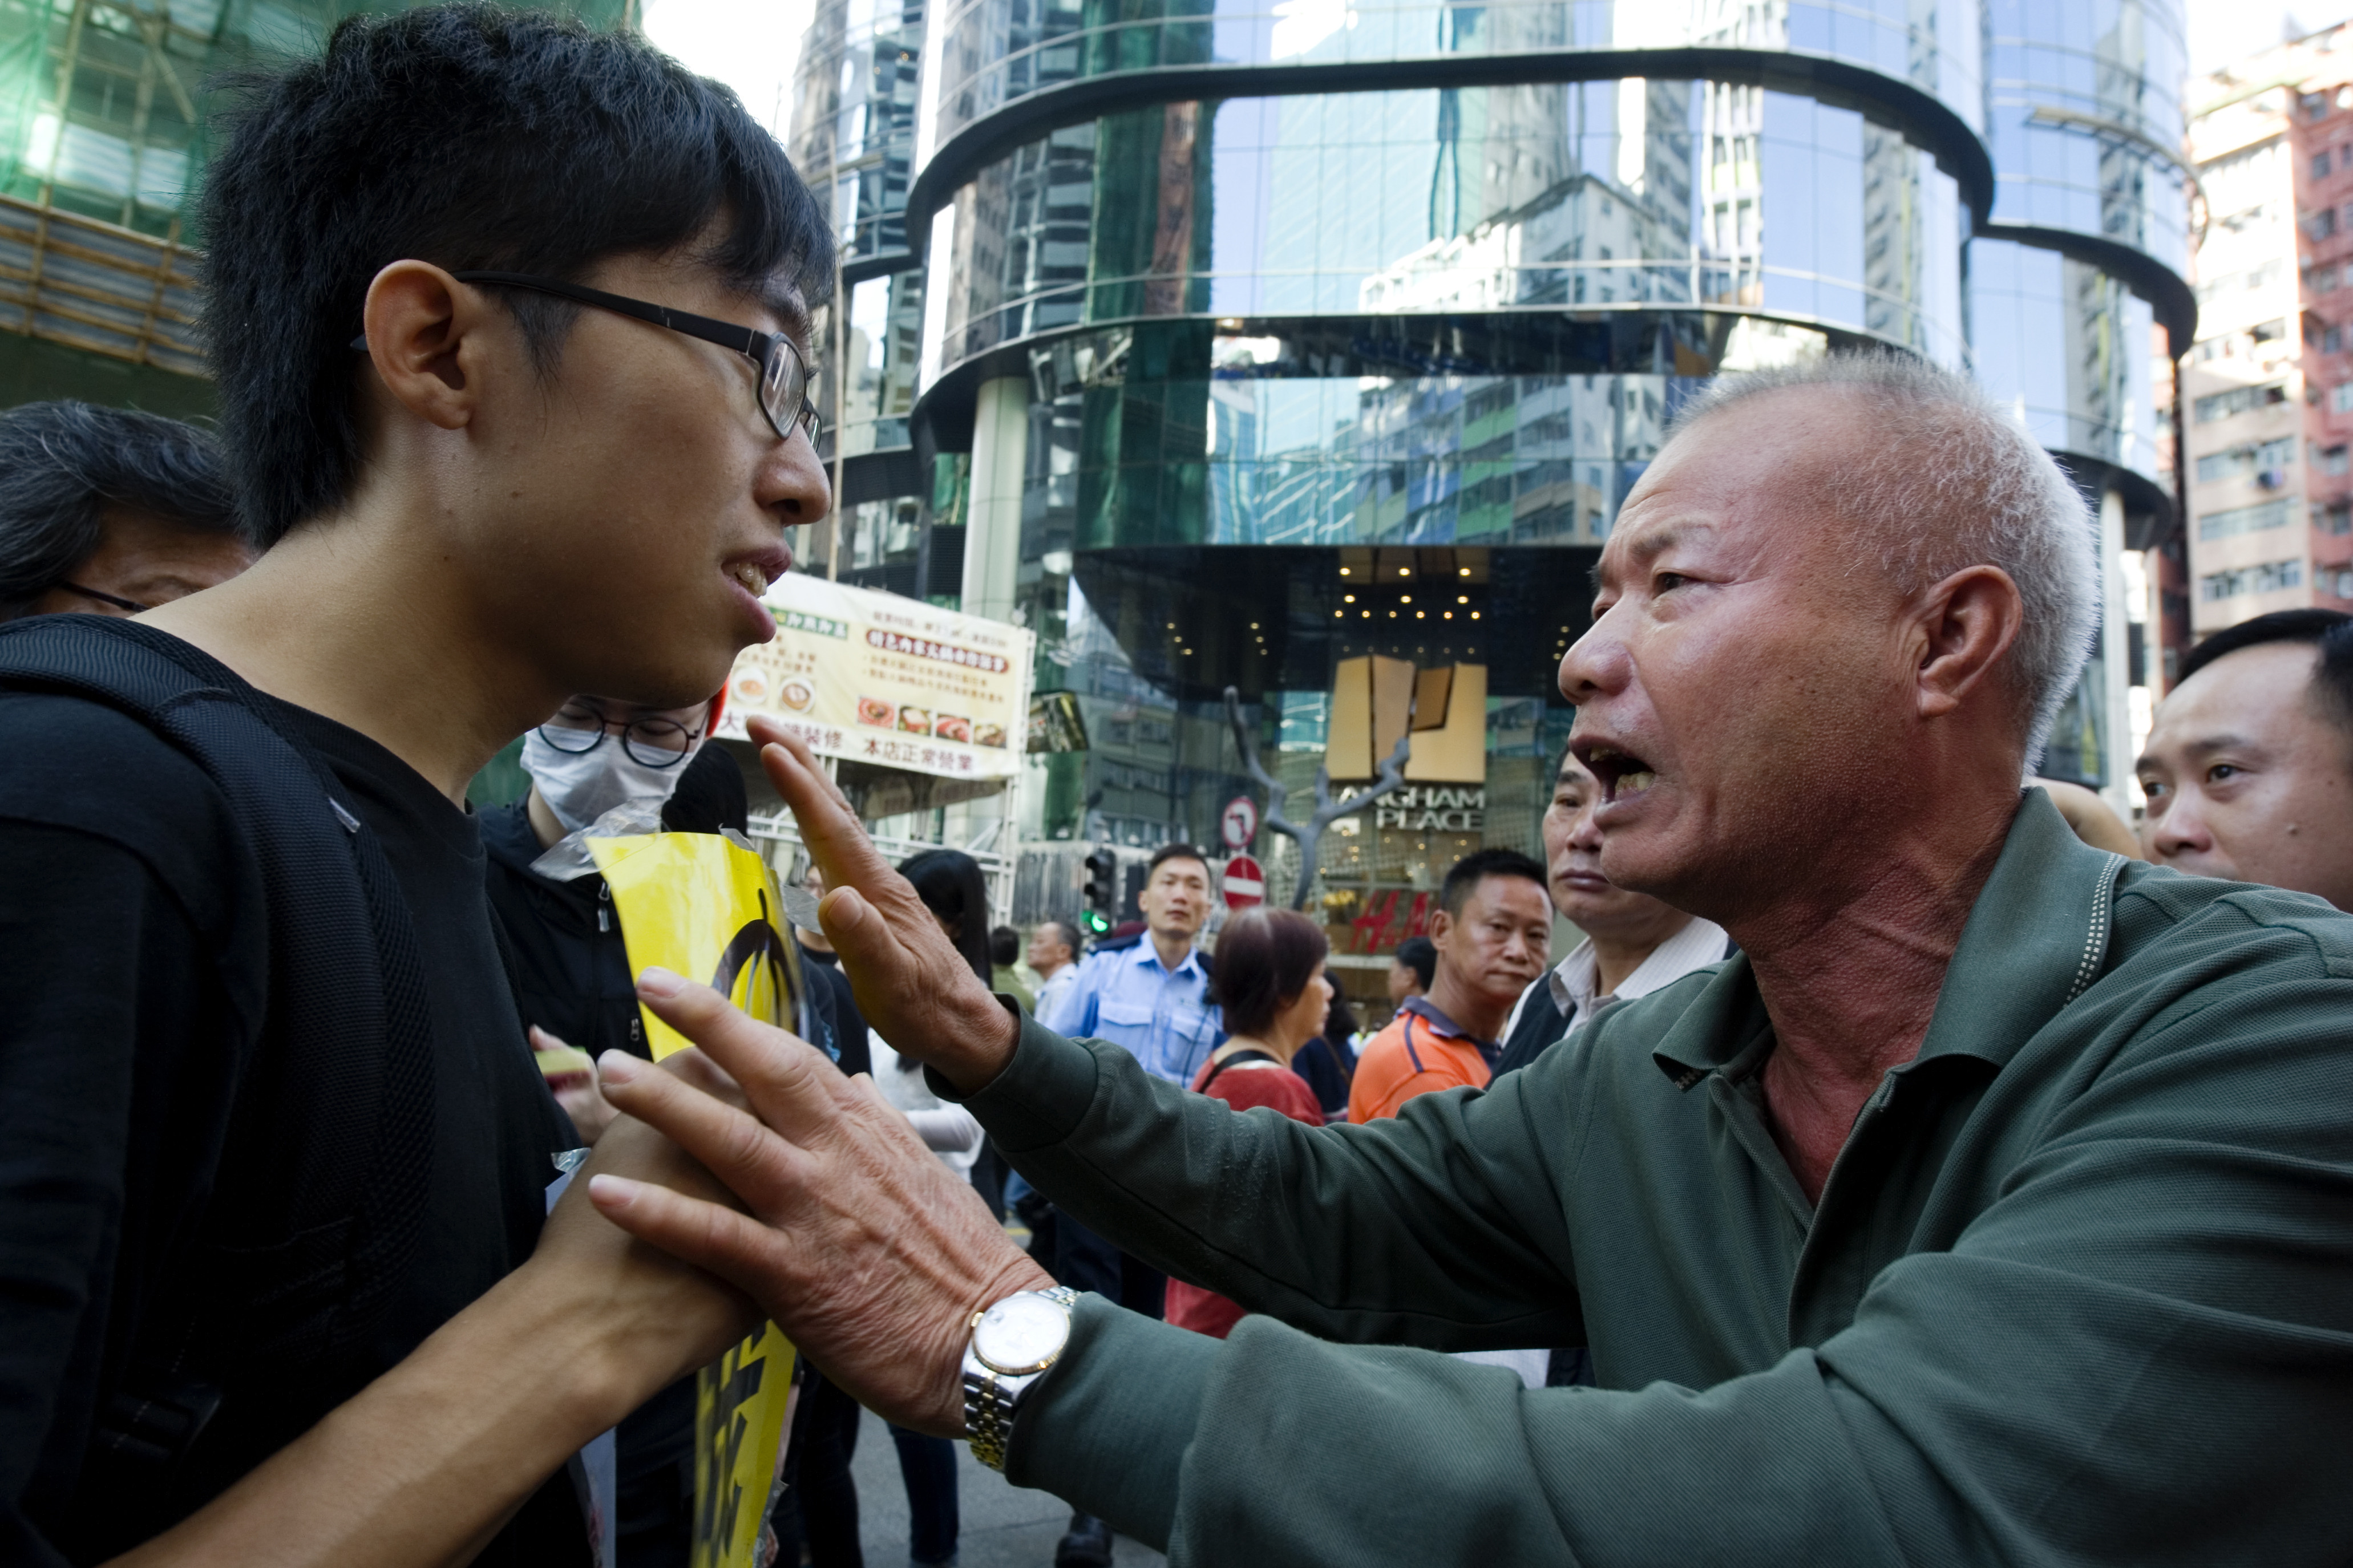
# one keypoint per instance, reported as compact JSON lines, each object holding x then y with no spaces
{"x":581,"y":786}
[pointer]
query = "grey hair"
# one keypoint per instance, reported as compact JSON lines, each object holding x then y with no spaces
{"x":61,"y":463}
{"x":1948,"y":480}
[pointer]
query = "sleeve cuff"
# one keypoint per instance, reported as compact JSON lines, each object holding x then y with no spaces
{"x":1107,"y":1428}
{"x":1041,"y":1095}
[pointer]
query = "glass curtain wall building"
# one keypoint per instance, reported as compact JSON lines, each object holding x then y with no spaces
{"x":1285,"y":347}
{"x":103,"y":132}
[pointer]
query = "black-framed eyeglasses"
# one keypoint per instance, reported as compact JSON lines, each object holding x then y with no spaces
{"x":652,"y":743}
{"x":784,"y":378}
{"x":120,"y":603}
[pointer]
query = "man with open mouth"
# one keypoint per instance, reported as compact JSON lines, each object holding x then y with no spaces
{"x":1993,"y":1205}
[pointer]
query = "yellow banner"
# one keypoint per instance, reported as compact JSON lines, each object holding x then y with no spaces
{"x":697,"y":904}
{"x":875,"y":677}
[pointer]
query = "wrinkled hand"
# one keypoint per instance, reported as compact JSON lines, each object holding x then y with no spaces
{"x":577,"y":1092}
{"x":656,"y":1318}
{"x":910,"y":982}
{"x":864,"y":1248}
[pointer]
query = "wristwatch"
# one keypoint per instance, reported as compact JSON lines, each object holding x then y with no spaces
{"x":1013,"y":1344}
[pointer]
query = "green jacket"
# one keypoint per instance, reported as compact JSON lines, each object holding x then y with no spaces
{"x":2080,"y":1288}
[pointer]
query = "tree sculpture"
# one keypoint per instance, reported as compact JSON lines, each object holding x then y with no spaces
{"x":1310,"y":837}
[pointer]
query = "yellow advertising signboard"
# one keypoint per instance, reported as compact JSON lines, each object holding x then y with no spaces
{"x":706,"y":908}
{"x":875,"y":677}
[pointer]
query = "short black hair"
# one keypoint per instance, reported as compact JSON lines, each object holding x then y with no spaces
{"x":1476,"y":867}
{"x":2329,"y":630}
{"x":1167,"y":852}
{"x":1066,"y":932}
{"x":953,"y":887}
{"x":1004,"y":944}
{"x":62,"y":463}
{"x":474,"y":138}
{"x":1419,"y":955}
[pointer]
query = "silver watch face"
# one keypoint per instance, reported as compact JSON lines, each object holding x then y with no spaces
{"x":1021,"y":1334}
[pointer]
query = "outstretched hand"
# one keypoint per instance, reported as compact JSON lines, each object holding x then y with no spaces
{"x":910,"y":982}
{"x":863,"y":1248}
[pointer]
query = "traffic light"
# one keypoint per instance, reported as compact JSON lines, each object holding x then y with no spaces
{"x":1101,"y":890}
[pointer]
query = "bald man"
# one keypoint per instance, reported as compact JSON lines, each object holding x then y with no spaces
{"x":1993,"y":1205}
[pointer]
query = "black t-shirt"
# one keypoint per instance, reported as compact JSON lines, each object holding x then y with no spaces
{"x":129,"y":968}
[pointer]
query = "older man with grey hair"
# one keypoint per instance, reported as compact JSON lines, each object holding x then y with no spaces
{"x":1993,"y":1205}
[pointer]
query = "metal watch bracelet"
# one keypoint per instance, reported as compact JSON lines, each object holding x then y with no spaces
{"x":990,"y":1404}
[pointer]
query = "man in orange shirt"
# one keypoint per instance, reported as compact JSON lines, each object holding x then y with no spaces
{"x":1492,"y":930}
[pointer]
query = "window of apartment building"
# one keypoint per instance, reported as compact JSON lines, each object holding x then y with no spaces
{"x":2340,"y":398}
{"x":2243,"y":462}
{"x":2320,"y":165}
{"x":2240,"y":399}
{"x":2241,"y":519}
{"x":2268,"y":578}
{"x":2332,"y":340}
{"x":2320,"y":224}
{"x":2314,"y":105}
{"x":2330,"y":459}
{"x":2336,"y":516}
{"x":2335,"y":583}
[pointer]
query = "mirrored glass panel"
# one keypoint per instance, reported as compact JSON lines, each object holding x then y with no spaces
{"x":854,"y":117}
{"x":996,"y":52}
{"x":2084,"y":113}
{"x":2071,"y":349}
{"x":1593,"y":197}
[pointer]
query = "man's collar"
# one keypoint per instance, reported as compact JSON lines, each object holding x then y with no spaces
{"x":2036,"y":936}
{"x":1422,"y":1008}
{"x":1148,"y":952}
{"x":1575,"y":980}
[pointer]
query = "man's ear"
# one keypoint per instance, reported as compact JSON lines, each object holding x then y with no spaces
{"x":1966,"y":623}
{"x":1440,"y":924}
{"x":425,"y":334}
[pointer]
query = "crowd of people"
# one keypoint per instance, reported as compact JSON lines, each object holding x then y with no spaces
{"x":1910,"y":1160}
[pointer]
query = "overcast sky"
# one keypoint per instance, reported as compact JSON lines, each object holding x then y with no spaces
{"x":2222,"y":31}
{"x":750,"y":45}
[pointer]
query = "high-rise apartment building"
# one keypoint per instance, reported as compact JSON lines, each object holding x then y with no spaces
{"x":2267,"y":391}
{"x":1224,"y":345}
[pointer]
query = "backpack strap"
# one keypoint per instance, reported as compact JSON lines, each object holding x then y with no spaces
{"x":316,"y":1199}
{"x":1247,"y":1054}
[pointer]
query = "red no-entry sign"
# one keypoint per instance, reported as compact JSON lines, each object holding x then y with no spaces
{"x":1245,"y":883}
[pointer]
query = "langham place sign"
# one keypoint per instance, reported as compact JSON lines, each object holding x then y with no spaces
{"x":1429,"y":808}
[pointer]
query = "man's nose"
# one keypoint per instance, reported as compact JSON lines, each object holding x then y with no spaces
{"x":1596,"y":664}
{"x":1583,"y":835}
{"x":2182,"y":830}
{"x":791,"y":483}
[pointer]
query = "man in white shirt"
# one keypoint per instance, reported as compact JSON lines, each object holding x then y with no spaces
{"x":1053,"y":958}
{"x":1633,"y":943}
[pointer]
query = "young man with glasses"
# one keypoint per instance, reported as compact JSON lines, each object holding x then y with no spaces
{"x":565,"y":459}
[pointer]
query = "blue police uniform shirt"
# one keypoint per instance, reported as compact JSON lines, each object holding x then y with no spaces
{"x":1162,"y":1016}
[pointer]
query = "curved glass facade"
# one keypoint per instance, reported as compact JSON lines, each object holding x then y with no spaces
{"x":854,"y":117}
{"x":1246,"y":390}
{"x":2084,"y":113}
{"x":995,"y":53}
{"x":1593,"y":198}
{"x":2071,"y":349}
